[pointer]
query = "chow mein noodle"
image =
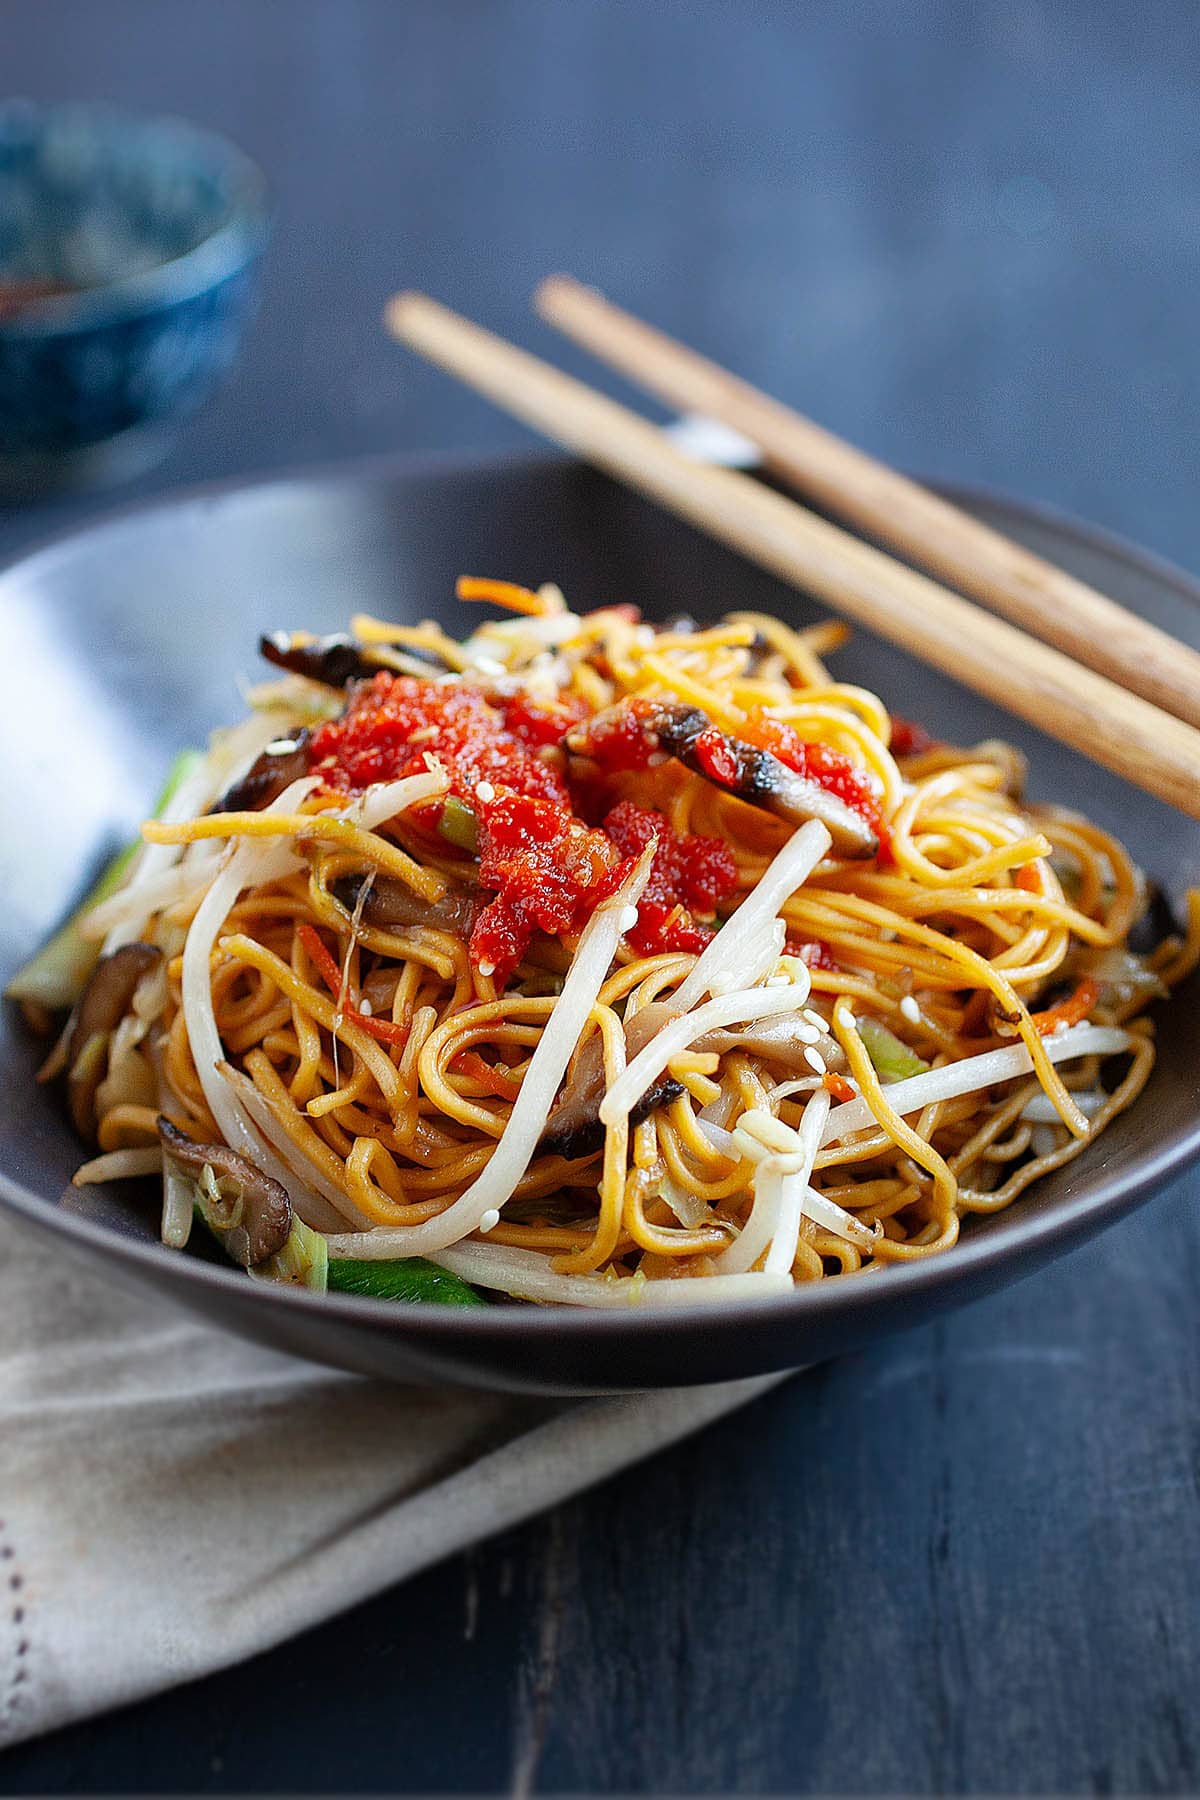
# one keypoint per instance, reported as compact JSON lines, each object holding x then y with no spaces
{"x":596,"y":962}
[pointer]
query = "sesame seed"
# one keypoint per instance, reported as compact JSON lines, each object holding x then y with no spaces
{"x":281,"y":746}
{"x":365,"y":1007}
{"x":490,"y":1220}
{"x":911,"y":1010}
{"x":808,"y":1034}
{"x":813,"y":1018}
{"x":485,"y":792}
{"x":629,"y":918}
{"x":815,"y":1061}
{"x":487,"y":968}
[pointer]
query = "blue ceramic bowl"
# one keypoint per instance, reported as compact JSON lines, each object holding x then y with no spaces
{"x":151,"y":232}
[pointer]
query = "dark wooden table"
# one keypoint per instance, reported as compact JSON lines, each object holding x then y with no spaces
{"x":969,"y":237}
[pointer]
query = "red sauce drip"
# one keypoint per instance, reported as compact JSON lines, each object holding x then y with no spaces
{"x":689,"y":875}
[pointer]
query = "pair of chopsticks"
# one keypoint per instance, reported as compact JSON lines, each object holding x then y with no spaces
{"x":1094,"y":676}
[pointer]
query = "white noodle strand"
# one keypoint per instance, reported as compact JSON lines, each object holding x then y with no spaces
{"x":972,"y":1073}
{"x":742,"y":943}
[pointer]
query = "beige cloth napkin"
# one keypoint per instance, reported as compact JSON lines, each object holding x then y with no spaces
{"x":173,"y":1499}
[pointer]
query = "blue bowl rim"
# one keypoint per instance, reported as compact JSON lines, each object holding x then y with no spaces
{"x":228,"y":248}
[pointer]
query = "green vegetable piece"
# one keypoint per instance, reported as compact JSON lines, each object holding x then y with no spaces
{"x":304,"y":1259}
{"x":185,"y":764}
{"x":58,"y":974}
{"x":412,"y":1279}
{"x":458,"y":825}
{"x":893,"y":1060}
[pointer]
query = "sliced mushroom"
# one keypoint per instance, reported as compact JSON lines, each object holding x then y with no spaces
{"x":273,"y":770}
{"x":574,"y":1128}
{"x":1157,"y":922}
{"x":758,"y":778}
{"x":391,"y":906}
{"x":102,"y":1005}
{"x":782,"y":1039}
{"x":248,"y":1211}
{"x":335,"y":661}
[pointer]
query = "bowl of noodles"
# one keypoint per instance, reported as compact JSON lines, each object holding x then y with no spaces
{"x":554,"y":960}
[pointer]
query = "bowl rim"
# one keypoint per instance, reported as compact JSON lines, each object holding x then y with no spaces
{"x":226,"y":249}
{"x":973,"y":1261}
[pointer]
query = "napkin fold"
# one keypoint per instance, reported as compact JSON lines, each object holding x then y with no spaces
{"x":173,"y":1500}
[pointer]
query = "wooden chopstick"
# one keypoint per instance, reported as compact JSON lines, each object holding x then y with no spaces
{"x":1037,"y":682}
{"x":971,"y":557}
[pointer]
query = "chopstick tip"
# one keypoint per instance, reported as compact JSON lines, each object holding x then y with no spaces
{"x":404,"y":310}
{"x":558,"y":287}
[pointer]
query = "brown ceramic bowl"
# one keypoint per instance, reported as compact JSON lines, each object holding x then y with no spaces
{"x":126,"y":641}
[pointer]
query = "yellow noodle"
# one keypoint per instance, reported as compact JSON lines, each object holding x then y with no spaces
{"x":305,"y":828}
{"x":983,"y":913}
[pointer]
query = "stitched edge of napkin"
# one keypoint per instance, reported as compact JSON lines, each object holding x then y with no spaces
{"x":14,"y":1637}
{"x":575,"y":1450}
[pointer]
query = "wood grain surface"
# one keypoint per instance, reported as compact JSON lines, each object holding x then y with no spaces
{"x":887,"y":506}
{"x":1031,"y":679}
{"x":967,"y":1561}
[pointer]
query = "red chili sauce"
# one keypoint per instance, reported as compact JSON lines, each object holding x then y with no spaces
{"x":621,"y":741}
{"x":828,"y":768}
{"x":546,"y":868}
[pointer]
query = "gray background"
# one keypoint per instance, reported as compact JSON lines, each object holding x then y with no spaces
{"x":965,"y":236}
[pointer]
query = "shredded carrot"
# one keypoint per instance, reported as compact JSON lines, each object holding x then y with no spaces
{"x":330,"y":974}
{"x":1029,"y":877}
{"x":387,"y":1031}
{"x":488,"y":1075}
{"x":1071,"y":1011}
{"x":839,"y":1087}
{"x":508,"y":594}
